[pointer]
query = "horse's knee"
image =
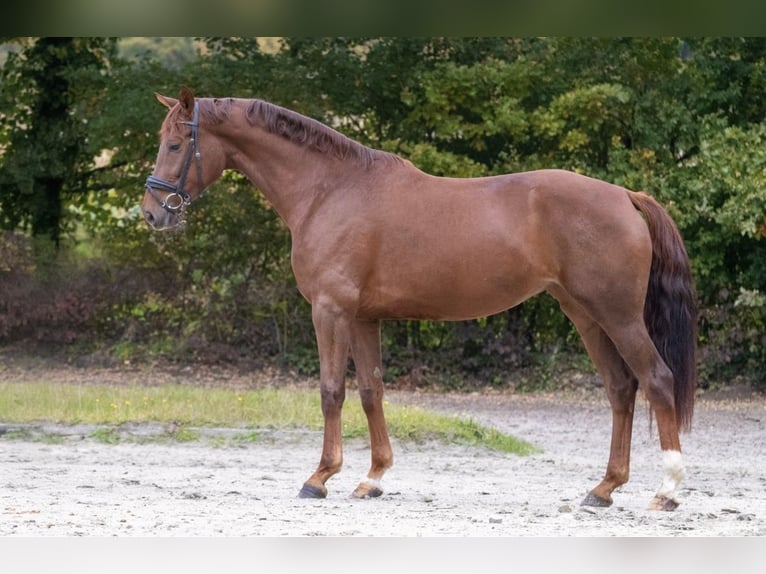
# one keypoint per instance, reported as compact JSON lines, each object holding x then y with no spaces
{"x":372,"y":399}
{"x":332,"y":400}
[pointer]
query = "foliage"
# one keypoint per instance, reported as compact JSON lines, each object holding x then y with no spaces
{"x":174,"y":52}
{"x":682,"y":119}
{"x":44,"y":127}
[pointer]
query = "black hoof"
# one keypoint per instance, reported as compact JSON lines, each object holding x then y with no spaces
{"x":309,"y":491}
{"x":663,"y":503}
{"x":595,"y":500}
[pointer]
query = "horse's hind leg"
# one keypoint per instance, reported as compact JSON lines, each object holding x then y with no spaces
{"x":656,"y":381}
{"x":624,"y":351}
{"x":620,"y":385}
{"x":365,"y":348}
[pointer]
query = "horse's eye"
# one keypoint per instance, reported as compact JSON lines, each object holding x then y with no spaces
{"x":174,"y":146}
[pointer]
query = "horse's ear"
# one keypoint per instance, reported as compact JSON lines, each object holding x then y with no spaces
{"x":165,"y":101}
{"x":187,"y":100}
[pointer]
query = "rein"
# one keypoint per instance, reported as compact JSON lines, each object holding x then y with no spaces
{"x":177,"y":197}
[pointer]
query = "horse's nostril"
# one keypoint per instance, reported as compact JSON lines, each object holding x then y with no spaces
{"x":149,"y":217}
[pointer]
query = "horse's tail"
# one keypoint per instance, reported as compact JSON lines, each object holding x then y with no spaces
{"x":670,"y":310}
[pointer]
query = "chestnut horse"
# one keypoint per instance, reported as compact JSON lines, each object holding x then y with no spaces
{"x":375,"y":238}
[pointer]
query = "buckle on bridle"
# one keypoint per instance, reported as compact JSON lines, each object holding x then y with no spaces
{"x":175,"y":201}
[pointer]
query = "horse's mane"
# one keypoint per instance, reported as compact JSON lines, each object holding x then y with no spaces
{"x":311,"y":133}
{"x":288,"y":124}
{"x":297,"y":128}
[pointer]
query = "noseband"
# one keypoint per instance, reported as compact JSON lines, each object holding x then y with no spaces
{"x":177,"y":197}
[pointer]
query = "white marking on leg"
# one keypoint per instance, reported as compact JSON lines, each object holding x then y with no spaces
{"x":674,"y":473}
{"x":374,"y":482}
{"x":376,"y":373}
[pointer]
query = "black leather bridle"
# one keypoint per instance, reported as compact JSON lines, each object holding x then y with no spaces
{"x":177,"y":198}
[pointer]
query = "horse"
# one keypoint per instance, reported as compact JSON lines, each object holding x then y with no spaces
{"x":375,"y":238}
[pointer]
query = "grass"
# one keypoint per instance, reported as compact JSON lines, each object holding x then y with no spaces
{"x":186,"y":406}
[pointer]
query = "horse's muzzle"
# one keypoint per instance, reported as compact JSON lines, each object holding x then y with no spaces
{"x":159,"y":218}
{"x":150,"y":220}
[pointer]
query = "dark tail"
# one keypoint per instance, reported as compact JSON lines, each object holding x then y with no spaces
{"x":670,"y":311}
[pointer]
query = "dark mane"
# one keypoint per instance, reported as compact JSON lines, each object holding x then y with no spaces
{"x":311,"y":133}
{"x":286,"y":123}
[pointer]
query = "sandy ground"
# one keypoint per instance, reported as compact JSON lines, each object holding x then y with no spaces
{"x":215,"y":487}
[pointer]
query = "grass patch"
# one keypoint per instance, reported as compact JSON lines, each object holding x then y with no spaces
{"x":187,"y":406}
{"x":248,"y":437}
{"x":27,"y":435}
{"x":183,"y":434}
{"x":106,"y":435}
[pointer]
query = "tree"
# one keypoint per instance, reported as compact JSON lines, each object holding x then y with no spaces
{"x":682,"y":120}
{"x":46,"y":144}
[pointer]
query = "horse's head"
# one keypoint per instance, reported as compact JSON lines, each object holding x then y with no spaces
{"x":177,"y":179}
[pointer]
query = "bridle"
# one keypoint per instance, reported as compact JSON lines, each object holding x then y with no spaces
{"x":177,"y":197}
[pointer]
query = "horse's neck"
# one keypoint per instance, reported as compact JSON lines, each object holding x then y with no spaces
{"x":290,"y":176}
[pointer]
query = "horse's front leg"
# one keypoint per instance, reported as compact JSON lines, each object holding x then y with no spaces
{"x":365,"y":348}
{"x":332,"y":333}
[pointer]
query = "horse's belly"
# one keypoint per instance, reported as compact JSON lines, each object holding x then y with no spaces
{"x":448,"y":298}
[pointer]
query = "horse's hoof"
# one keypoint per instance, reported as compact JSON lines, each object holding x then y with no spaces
{"x":311,"y":491}
{"x":663,"y":503}
{"x":596,"y":500}
{"x":366,"y":490}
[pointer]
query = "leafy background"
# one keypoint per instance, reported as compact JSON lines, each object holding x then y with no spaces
{"x":82,"y":278}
